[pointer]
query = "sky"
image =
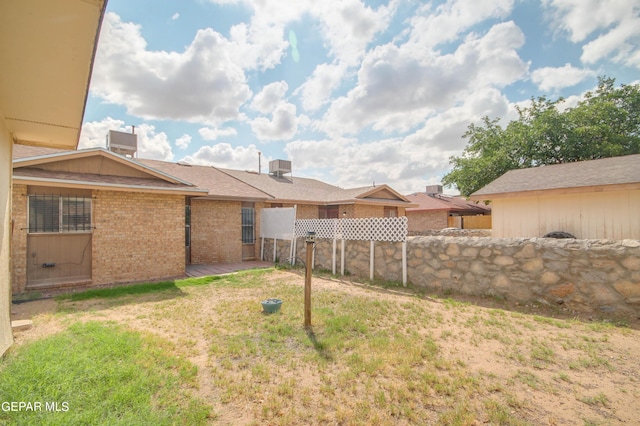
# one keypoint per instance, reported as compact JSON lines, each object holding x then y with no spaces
{"x":352,"y":92}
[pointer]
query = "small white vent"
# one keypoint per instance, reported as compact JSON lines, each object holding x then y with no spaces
{"x":279,"y":167}
{"x":122,"y":143}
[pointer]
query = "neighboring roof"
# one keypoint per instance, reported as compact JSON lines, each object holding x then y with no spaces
{"x":47,"y":54}
{"x":217,"y":184}
{"x":579,"y":176}
{"x":44,"y":169}
{"x":304,"y":190}
{"x":441,"y":202}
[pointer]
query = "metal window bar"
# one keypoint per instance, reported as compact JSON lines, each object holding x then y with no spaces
{"x":248,"y":225}
{"x":44,"y":213}
{"x":52,"y":213}
{"x":76,"y":214}
{"x":187,"y":226}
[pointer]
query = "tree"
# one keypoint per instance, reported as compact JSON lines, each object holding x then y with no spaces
{"x":605,"y":123}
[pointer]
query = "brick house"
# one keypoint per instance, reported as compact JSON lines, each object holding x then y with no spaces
{"x":94,"y":217}
{"x":438,"y":211}
{"x":224,"y":226}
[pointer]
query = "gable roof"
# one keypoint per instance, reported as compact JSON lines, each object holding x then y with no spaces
{"x":40,"y":163}
{"x":94,"y":167}
{"x":440,"y":202}
{"x":215,"y":183}
{"x":311,"y":191}
{"x":580,"y":176}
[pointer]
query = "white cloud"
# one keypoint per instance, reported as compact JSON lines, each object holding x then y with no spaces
{"x":270,"y":97}
{"x":399,"y":86}
{"x":449,"y":20}
{"x":615,"y":23}
{"x":313,"y":154}
{"x":283,"y":124}
{"x":183,"y":141}
{"x":623,"y":42}
{"x":175,"y":16}
{"x":94,"y":133}
{"x":406,"y":163}
{"x":225,"y":156}
{"x":349,"y":25}
{"x":211,"y":134}
{"x":151,"y":145}
{"x":549,"y":79}
{"x":317,"y":89}
{"x":199,"y":85}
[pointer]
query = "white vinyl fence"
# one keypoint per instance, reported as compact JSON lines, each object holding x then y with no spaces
{"x":392,"y":229}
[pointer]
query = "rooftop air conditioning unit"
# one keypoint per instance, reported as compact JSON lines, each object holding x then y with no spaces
{"x":279,"y":167}
{"x":122,"y":143}
{"x":434,"y":189}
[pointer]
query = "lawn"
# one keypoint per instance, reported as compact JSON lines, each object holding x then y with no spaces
{"x":202,"y":352}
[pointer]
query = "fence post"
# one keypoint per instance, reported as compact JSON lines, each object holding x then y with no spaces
{"x":404,"y":263}
{"x":371,"y":259}
{"x":342,"y":257}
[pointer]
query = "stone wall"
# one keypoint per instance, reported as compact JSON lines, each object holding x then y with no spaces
{"x":581,"y":274}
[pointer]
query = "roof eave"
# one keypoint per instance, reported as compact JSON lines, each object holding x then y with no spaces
{"x":83,"y":153}
{"x":555,"y":191}
{"x":28,"y":180}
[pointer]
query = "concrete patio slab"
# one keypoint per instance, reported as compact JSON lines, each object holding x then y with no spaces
{"x":225,"y":268}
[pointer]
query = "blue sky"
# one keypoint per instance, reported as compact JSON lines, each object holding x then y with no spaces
{"x":351,"y":91}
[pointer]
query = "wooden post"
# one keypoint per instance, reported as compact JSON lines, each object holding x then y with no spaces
{"x":307,"y":280}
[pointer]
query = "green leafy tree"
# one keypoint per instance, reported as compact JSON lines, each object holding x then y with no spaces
{"x":605,"y":123}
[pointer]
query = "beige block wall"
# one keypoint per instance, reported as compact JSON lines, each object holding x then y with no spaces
{"x":137,"y":236}
{"x":19,"y":239}
{"x":597,"y":215}
{"x":216,"y":231}
{"x":422,"y":221}
{"x":6,"y":146}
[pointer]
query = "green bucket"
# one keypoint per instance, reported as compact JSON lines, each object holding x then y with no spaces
{"x":270,"y":306}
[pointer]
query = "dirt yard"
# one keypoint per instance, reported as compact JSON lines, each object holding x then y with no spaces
{"x":483,"y":365}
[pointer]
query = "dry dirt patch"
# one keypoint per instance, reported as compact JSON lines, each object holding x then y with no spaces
{"x":406,"y":359}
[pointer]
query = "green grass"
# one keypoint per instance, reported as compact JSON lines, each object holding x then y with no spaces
{"x":148,"y":288}
{"x":371,"y":357}
{"x":99,"y":374}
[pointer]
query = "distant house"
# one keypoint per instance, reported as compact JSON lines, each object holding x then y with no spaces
{"x":94,"y":217}
{"x":597,"y":199}
{"x":438,"y":211}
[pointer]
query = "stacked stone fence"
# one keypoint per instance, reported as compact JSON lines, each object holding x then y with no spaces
{"x":581,"y":274}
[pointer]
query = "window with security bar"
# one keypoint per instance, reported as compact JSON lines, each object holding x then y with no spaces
{"x":248,"y":223}
{"x":55,"y":213}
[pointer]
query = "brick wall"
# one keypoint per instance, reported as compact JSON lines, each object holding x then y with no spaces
{"x":363,"y":211}
{"x":216,"y":231}
{"x":138,"y":236}
{"x":19,"y":239}
{"x":422,"y":221}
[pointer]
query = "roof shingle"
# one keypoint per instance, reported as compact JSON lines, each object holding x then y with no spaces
{"x":601,"y":172}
